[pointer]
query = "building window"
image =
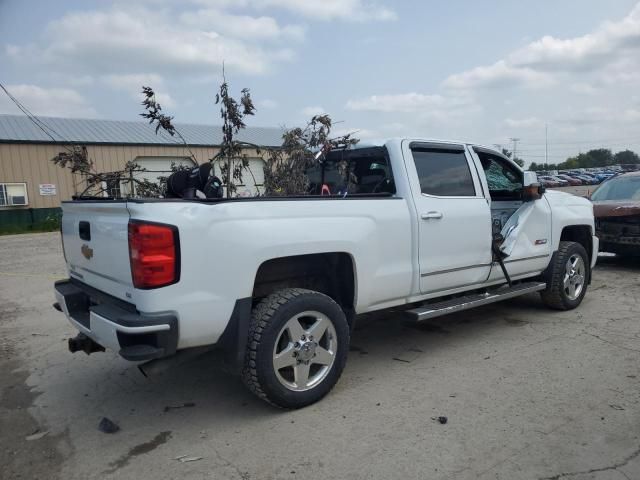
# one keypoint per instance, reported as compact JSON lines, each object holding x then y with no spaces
{"x":13,"y":194}
{"x":112,"y":187}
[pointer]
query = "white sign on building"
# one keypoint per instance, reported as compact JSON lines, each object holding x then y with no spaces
{"x":48,"y":189}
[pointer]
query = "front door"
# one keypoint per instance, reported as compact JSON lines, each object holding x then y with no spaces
{"x":454,"y":217}
{"x":527,"y":230}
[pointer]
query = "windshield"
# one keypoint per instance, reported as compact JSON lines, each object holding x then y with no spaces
{"x":621,"y":188}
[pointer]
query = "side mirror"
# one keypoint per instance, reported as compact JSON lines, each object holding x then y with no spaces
{"x":532,"y":189}
{"x":533,"y":192}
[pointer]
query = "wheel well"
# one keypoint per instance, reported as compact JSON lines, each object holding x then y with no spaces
{"x":580,"y":234}
{"x":328,"y":273}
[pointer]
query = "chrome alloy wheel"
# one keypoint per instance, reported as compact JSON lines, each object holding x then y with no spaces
{"x":305,"y":351}
{"x":574,"y":276}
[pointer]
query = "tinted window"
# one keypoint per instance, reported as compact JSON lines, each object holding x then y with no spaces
{"x":444,"y":173}
{"x":358,"y":171}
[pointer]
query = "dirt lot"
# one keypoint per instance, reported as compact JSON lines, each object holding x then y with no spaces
{"x":528,"y":393}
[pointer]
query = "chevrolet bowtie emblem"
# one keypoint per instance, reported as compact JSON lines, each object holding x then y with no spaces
{"x":87,"y":251}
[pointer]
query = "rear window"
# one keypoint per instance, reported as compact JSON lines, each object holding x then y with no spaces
{"x":359,"y":171}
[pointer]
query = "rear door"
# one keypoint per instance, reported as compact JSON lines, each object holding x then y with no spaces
{"x":96,"y":245}
{"x":454,"y":218}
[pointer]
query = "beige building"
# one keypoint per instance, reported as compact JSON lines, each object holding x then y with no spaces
{"x":32,"y":186}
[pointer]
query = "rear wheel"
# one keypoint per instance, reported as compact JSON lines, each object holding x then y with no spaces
{"x":567,"y":277}
{"x":298,"y":345}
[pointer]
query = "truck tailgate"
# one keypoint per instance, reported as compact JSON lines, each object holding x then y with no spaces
{"x":96,"y":245}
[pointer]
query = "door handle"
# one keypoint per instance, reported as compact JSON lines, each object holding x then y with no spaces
{"x":431,"y":215}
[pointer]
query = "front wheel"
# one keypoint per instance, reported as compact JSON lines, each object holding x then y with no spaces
{"x":297,"y":348}
{"x":567,"y":277}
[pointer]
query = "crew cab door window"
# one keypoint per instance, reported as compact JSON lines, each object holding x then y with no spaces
{"x":504,"y":180}
{"x":443,"y":173}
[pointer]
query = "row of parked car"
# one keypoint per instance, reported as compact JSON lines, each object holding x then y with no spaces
{"x":575,"y":178}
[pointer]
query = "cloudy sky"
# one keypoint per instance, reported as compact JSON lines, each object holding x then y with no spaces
{"x":482,"y":71}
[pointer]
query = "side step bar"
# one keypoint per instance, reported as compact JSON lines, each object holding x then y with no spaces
{"x":458,"y":304}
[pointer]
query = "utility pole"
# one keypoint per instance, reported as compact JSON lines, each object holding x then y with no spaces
{"x":546,"y":145}
{"x":515,"y":145}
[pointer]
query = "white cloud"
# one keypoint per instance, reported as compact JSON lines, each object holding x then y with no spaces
{"x":425,"y":110}
{"x":267,"y":103}
{"x":133,"y":83}
{"x":603,"y":115}
{"x":529,"y":122}
{"x":118,"y":41}
{"x":611,"y":50}
{"x":403,"y":102}
{"x":583,"y":88}
{"x":586,"y":52}
{"x":420,"y":111}
{"x":498,"y":75}
{"x":53,"y":102}
{"x":348,"y":10}
{"x":312,"y":110}
{"x":242,"y":26}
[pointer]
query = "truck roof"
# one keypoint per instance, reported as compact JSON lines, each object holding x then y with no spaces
{"x":380,"y":142}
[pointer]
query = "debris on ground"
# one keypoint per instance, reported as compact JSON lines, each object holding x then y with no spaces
{"x":616,"y":407}
{"x":187,"y":458}
{"x":400,"y":360}
{"x":37,"y":435}
{"x":442,"y":420}
{"x":175,"y":407}
{"x":107,"y":426}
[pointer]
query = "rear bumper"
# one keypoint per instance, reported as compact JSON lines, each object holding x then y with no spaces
{"x":117,"y":325}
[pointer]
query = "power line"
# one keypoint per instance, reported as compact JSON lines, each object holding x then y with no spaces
{"x":46,"y":129}
{"x":580,"y":142}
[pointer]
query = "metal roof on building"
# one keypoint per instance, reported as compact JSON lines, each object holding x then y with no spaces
{"x":20,"y":129}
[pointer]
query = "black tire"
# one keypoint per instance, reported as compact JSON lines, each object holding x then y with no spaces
{"x":268,"y":319}
{"x":555,"y":295}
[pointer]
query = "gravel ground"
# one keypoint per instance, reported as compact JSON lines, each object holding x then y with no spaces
{"x":529,"y":393}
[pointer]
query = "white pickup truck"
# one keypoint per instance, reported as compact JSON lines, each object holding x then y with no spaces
{"x":277,"y":283}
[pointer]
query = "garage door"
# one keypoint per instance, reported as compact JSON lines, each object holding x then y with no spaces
{"x":159,"y":166}
{"x":252,"y":178}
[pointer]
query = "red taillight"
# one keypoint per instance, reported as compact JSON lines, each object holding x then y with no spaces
{"x":153,"y":252}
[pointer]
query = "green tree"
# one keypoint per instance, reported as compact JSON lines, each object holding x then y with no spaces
{"x":625,"y":157}
{"x":601,"y":157}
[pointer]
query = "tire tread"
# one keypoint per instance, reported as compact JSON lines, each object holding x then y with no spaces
{"x":261,"y":317}
{"x":553,"y":296}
